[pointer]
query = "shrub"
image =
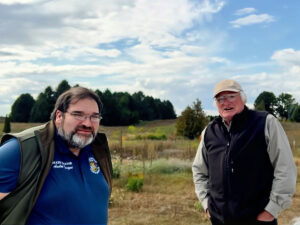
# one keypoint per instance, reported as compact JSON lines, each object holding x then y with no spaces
{"x":116,"y":168}
{"x":135,"y":182}
{"x":198,"y":206}
{"x":157,"y":137}
{"x":192,"y":121}
{"x":131,"y":129}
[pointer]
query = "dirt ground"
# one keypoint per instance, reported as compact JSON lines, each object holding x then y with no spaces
{"x":169,"y":200}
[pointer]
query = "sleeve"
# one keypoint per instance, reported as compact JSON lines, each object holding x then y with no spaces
{"x":200,"y":173}
{"x":9,"y":165}
{"x":285,"y":171}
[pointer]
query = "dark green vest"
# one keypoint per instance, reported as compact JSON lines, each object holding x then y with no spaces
{"x":37,"y":152}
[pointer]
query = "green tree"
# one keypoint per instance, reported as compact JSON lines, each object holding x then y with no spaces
{"x":266,"y":101}
{"x":296,"y":113}
{"x":39,"y":112}
{"x":192,"y":121}
{"x":6,"y":128}
{"x":110,"y":113}
{"x":21,"y":108}
{"x":43,"y":106}
{"x":61,"y":88}
{"x":284,"y":103}
{"x":260,"y":106}
{"x":167,"y":110}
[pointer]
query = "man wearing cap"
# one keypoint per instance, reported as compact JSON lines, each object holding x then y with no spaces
{"x":244,"y":172}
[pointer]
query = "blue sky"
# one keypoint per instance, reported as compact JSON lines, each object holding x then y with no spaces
{"x":172,"y":50}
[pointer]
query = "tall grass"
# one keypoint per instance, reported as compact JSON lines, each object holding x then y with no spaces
{"x":159,"y":166}
{"x":167,"y":196}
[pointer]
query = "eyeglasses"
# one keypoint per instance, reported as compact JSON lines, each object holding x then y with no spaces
{"x":96,"y":118}
{"x":229,"y":97}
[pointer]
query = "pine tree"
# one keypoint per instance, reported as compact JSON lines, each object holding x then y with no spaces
{"x":6,"y":128}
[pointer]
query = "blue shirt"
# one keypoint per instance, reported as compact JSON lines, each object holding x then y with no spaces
{"x":9,"y":165}
{"x":75,"y":190}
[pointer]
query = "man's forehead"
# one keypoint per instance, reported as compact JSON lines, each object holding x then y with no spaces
{"x":77,"y":103}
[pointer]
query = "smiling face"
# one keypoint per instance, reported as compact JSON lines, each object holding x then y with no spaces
{"x":229,"y":103}
{"x":78,"y":133}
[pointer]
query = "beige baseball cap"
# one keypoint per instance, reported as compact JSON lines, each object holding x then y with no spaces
{"x":227,"y":85}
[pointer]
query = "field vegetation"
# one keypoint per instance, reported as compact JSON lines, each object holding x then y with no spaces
{"x":152,"y":174}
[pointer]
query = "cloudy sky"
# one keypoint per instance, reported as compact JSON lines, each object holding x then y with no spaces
{"x":174,"y":50}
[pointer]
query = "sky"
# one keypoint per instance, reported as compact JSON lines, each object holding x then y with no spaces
{"x":174,"y":50}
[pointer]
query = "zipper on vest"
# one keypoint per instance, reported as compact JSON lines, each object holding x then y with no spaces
{"x":226,"y":173}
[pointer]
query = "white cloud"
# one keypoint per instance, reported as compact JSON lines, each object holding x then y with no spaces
{"x":252,"y":19}
{"x":163,"y":48}
{"x":12,"y":87}
{"x":287,"y":57}
{"x":244,"y":11}
{"x":77,"y":23}
{"x":18,"y":52}
{"x":12,"y":2}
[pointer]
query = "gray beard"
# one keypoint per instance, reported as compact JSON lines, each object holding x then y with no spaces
{"x":73,"y":140}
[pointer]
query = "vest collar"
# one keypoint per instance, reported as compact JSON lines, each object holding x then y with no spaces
{"x":238,"y":120}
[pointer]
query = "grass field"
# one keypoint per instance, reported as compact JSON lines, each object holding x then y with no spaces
{"x":167,"y":196}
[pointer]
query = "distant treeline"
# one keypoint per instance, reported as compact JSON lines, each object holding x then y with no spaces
{"x":120,"y":108}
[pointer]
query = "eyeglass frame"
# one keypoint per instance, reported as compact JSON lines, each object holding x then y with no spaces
{"x":80,"y":116}
{"x":230,"y":97}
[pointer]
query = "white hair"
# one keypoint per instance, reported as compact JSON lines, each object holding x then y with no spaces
{"x":243,"y":96}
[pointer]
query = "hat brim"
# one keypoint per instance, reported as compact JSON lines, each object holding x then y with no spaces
{"x":227,"y":89}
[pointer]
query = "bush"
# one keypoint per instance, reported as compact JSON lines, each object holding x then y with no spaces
{"x":157,"y":137}
{"x":192,"y":121}
{"x":198,"y":206}
{"x":131,"y":129}
{"x":135,"y":182}
{"x":116,"y":168}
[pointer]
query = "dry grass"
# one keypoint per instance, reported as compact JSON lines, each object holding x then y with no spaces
{"x":286,"y":217}
{"x":169,"y":199}
{"x":165,"y":200}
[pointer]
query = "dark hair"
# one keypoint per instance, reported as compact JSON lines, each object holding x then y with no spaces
{"x":73,"y":95}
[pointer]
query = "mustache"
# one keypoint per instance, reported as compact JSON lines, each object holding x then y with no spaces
{"x":85,"y":128}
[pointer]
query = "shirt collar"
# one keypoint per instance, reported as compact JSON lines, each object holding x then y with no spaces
{"x":225,"y":124}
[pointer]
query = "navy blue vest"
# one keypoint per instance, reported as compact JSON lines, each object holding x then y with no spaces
{"x":240,"y":171}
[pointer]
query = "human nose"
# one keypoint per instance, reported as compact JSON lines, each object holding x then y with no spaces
{"x":87,"y":121}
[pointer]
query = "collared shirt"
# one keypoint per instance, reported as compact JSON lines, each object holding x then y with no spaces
{"x":285,"y":172}
{"x":75,"y":190}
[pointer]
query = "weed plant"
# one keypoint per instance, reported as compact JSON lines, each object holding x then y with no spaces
{"x":135,"y":182}
{"x":159,"y":166}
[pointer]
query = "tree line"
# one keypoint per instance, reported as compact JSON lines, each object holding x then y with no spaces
{"x":120,"y":108}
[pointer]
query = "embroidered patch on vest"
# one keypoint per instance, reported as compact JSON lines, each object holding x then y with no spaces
{"x":94,"y":165}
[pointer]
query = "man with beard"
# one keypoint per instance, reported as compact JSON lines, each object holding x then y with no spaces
{"x":244,"y":172}
{"x":60,"y":172}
